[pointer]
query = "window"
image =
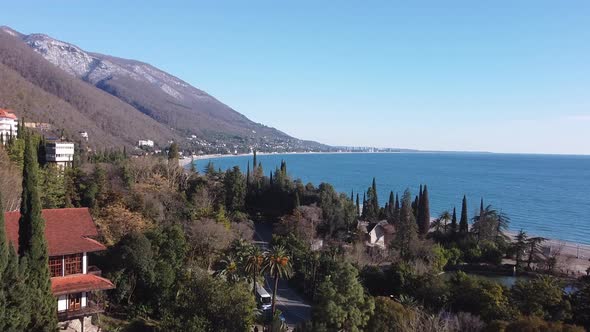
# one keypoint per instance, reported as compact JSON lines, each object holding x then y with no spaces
{"x":56,"y":266}
{"x":74,"y":301}
{"x":73,"y":264}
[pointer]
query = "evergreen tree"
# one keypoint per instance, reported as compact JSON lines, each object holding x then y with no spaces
{"x":33,"y":246}
{"x":3,"y":264}
{"x":407,"y":228}
{"x":463,"y":223}
{"x":454,"y":221}
{"x":390,"y":207}
{"x":424,"y":212}
{"x":254,"y":161}
{"x":173,"y":152}
{"x":352,"y":195}
{"x":358,"y":205}
{"x":396,"y":209}
{"x":235,"y":189}
{"x":297,"y":203}
{"x":17,"y":315}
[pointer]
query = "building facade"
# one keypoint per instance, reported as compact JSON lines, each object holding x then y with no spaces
{"x":60,"y":153}
{"x":76,"y":285}
{"x":145,"y":142}
{"x":8,"y":124}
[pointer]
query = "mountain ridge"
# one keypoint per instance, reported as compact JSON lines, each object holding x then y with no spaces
{"x":186,"y":110}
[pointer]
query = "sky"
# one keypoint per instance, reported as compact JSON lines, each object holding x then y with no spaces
{"x":498,"y":76}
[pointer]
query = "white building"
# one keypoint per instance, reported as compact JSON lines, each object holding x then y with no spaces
{"x":61,"y":153}
{"x":84,"y":135}
{"x":8,"y":124}
{"x":145,"y":142}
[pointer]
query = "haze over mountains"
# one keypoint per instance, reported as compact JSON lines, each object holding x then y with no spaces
{"x":119,"y":101}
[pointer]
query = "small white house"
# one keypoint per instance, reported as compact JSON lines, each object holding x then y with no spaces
{"x":380,"y":234}
{"x":145,"y":142}
{"x":84,"y":135}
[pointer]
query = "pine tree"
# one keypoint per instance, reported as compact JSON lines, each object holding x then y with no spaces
{"x":424,"y":212}
{"x":33,"y":246}
{"x":454,"y":221}
{"x":463,"y":223}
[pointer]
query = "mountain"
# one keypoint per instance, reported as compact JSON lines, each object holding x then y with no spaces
{"x":181,"y":109}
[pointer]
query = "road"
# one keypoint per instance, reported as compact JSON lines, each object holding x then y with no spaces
{"x":293,"y":307}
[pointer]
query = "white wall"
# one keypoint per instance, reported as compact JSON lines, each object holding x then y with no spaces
{"x":83,"y":299}
{"x":84,"y":263}
{"x":62,"y":303}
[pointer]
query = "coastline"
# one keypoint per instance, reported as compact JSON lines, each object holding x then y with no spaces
{"x":574,"y":256}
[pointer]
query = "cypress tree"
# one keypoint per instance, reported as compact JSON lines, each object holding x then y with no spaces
{"x":352,"y":195}
{"x":2,"y":139}
{"x":193,"y":165}
{"x":406,"y":228}
{"x":254,"y":160}
{"x":358,"y":205}
{"x":391,"y":204}
{"x":33,"y":246}
{"x":18,"y":309}
{"x":463,"y":225}
{"x":248,"y":174}
{"x":454,"y":221}
{"x":396,"y":209}
{"x":424,"y":212}
{"x":364,"y":213}
{"x":481,"y":210}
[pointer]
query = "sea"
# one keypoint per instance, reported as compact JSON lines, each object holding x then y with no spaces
{"x":545,"y":195}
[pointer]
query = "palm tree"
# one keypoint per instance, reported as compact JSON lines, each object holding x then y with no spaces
{"x":254,"y":262}
{"x":278,"y":265}
{"x":491,"y":225}
{"x":228,"y":269}
{"x":445,"y":217}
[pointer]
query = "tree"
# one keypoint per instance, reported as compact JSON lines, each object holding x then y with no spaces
{"x":543,"y":297}
{"x":407,"y":229}
{"x":358,"y":205}
{"x":424,"y":212}
{"x":235,"y":189}
{"x":454,"y":222}
{"x":342,"y":302}
{"x":173,"y":153}
{"x":581,"y":305}
{"x":254,"y":263}
{"x":17,"y":315}
{"x":278,"y":265}
{"x":519,"y":247}
{"x":389,"y":316}
{"x":33,"y":245}
{"x":463,"y":223}
{"x":534,"y":249}
{"x":445,"y":217}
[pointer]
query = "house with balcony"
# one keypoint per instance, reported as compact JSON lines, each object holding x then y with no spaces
{"x":76,"y":284}
{"x":8,"y":124}
{"x":60,"y":153}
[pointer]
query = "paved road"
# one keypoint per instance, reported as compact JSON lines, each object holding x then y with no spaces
{"x":294,"y":308}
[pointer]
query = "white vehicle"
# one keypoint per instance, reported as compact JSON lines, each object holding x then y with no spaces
{"x":263,"y":299}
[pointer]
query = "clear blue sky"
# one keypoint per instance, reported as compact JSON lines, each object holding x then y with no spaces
{"x":505,"y":76}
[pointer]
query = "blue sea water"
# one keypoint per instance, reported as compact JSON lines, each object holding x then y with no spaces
{"x":546,"y":195}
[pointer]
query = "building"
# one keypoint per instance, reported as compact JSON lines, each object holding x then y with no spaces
{"x":70,"y":234}
{"x":377,"y":234}
{"x":84,"y":135}
{"x":145,"y":142}
{"x":61,"y":153}
{"x":8,"y":124}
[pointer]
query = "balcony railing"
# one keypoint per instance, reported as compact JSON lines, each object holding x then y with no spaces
{"x":91,"y":269}
{"x":91,"y":309}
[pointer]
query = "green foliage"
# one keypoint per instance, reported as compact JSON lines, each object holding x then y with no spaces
{"x":33,"y":245}
{"x":342,"y":303}
{"x":543,"y":297}
{"x":534,"y":324}
{"x":406,"y":233}
{"x":424,"y":212}
{"x":581,"y":305}
{"x":486,"y":299}
{"x":463,"y":223}
{"x":52,"y":187}
{"x":339,"y":213}
{"x":173,"y":153}
{"x":389,"y":316}
{"x":208,"y":304}
{"x":235,"y":189}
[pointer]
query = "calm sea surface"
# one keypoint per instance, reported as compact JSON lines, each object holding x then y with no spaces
{"x":545,"y":195}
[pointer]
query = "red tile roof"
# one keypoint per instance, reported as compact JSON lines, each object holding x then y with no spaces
{"x":77,"y":283}
{"x":68,"y":231}
{"x":7,"y":114}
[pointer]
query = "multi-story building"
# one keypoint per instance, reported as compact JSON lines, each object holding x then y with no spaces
{"x":70,"y":234}
{"x":8,"y":124}
{"x":61,"y":153}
